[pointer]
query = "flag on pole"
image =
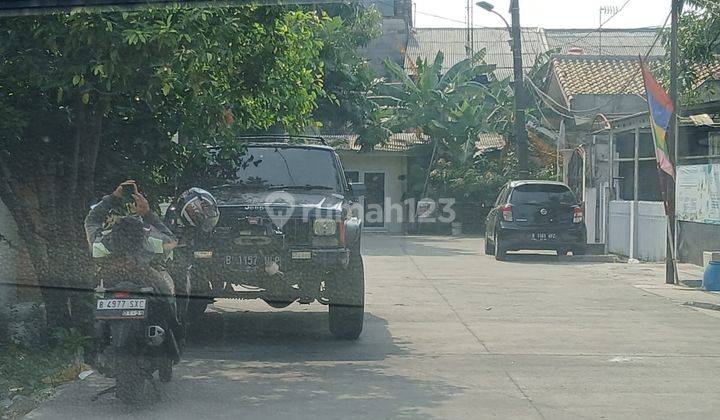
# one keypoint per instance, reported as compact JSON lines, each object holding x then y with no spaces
{"x":661,"y":112}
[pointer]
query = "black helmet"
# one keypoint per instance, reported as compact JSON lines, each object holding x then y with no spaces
{"x":198,"y":208}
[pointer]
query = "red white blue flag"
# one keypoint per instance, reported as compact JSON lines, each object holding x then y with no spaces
{"x":661,"y":113}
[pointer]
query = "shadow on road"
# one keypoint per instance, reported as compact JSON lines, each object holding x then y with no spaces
{"x":269,"y":365}
{"x":279,"y":364}
{"x":286,"y":336}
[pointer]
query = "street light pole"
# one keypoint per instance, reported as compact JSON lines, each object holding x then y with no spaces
{"x":521,"y":140}
{"x":519,"y":85}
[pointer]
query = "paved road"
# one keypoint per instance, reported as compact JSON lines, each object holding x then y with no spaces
{"x":450,"y":333}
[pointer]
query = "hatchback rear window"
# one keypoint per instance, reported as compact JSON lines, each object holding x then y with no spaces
{"x":542,"y":193}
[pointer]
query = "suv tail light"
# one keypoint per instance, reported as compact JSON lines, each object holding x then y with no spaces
{"x":507,"y":213}
{"x":577,"y":214}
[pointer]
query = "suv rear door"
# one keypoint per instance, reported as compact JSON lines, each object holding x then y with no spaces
{"x":543,"y":204}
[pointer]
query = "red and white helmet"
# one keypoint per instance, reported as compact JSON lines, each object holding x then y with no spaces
{"x":198,"y":208}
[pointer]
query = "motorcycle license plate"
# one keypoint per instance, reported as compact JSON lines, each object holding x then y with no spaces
{"x":120,"y":308}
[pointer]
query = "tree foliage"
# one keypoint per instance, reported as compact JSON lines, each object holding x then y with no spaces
{"x":452,"y":107}
{"x":698,"y":45}
{"x":348,"y":78}
{"x":91,"y":99}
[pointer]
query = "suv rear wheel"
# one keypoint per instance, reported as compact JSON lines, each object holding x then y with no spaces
{"x":347,"y":300}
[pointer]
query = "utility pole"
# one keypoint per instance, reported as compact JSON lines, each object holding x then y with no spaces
{"x":671,"y":248}
{"x":469,"y":32}
{"x":519,"y":85}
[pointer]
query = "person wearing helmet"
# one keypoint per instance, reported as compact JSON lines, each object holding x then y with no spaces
{"x":122,"y":229}
{"x":198,"y":209}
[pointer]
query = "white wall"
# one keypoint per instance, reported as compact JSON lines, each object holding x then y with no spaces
{"x":649,"y":225}
{"x":394,"y":165}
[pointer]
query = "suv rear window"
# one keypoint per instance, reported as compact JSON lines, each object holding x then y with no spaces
{"x":541,"y":194}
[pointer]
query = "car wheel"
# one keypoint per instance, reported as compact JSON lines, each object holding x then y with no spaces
{"x":500,"y":250}
{"x":562,"y":252}
{"x":489,"y":247}
{"x":347,"y":300}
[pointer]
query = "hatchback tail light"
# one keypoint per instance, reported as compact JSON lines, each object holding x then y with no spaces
{"x":507,"y":213}
{"x":577,"y":214}
{"x":121,"y":294}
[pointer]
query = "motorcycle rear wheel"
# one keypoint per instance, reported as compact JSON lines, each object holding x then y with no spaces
{"x":132,"y":385}
{"x":165,"y":369}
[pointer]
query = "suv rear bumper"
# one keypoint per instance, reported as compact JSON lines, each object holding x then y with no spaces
{"x":514,"y":238}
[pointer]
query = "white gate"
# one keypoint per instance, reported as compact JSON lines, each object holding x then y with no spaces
{"x":640,"y":236}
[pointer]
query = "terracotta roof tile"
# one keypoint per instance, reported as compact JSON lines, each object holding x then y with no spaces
{"x":611,"y":75}
{"x":398,"y":142}
{"x":594,"y":75}
{"x":489,"y":141}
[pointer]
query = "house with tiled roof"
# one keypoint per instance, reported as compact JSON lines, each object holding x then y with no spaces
{"x":424,"y":43}
{"x":584,"y":94}
{"x":630,"y":42}
{"x":607,"y":148}
{"x":384,"y":171}
{"x":580,"y":83}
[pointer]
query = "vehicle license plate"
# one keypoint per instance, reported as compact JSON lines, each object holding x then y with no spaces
{"x":112,"y":304}
{"x":120,"y":308}
{"x":542,"y":236}
{"x":250,"y":261}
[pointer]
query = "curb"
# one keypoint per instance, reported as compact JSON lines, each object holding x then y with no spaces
{"x":610,"y":259}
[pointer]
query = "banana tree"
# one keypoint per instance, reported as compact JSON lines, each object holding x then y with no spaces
{"x":451,"y":107}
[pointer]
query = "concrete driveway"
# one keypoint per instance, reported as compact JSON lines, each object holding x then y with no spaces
{"x":449,"y":333}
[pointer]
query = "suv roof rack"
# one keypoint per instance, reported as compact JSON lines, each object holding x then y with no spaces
{"x":284,"y":138}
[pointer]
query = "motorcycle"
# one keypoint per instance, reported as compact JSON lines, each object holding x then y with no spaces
{"x":134,"y":339}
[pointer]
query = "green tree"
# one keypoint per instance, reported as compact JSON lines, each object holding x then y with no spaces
{"x":698,"y":45}
{"x":451,"y":108}
{"x":348,"y":78}
{"x":90,"y":99}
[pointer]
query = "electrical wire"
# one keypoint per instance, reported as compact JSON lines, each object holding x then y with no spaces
{"x":449,"y":19}
{"x":627,"y":83}
{"x":599,"y":28}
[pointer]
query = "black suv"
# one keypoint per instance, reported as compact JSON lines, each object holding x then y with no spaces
{"x":542,"y":215}
{"x":287,"y":232}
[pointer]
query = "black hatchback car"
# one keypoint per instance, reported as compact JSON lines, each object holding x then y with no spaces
{"x":536,"y":215}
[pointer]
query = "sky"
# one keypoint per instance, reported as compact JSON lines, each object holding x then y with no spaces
{"x":545,"y":13}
